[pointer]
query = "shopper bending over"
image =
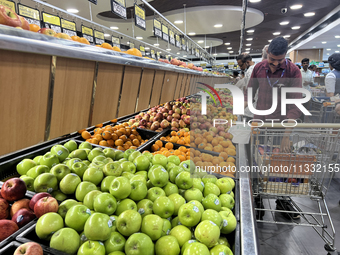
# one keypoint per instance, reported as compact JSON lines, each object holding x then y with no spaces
{"x":332,"y":80}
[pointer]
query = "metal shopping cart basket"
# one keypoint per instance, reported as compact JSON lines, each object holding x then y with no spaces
{"x":306,"y":173}
{"x":322,"y":110}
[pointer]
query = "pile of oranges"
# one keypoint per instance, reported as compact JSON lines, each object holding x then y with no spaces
{"x":168,"y":149}
{"x":180,"y":137}
{"x":120,"y":137}
{"x":109,"y":47}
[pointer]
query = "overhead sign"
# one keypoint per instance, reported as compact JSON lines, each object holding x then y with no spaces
{"x":31,"y":15}
{"x":118,"y":7}
{"x":157,"y":28}
{"x":142,"y":50}
{"x":153,"y":54}
{"x":9,"y":4}
{"x":140,"y":17}
{"x":178,"y":41}
{"x":132,"y":45}
{"x":165,"y":32}
{"x":99,"y":37}
{"x":116,"y":41}
{"x":172,"y":37}
{"x":51,"y":21}
{"x":184,"y":44}
{"x":68,"y":27}
{"x":87,"y":33}
{"x":93,"y":1}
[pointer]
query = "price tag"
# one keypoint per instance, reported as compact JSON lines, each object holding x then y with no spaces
{"x":153,"y":54}
{"x":192,"y":51}
{"x":116,"y":41}
{"x":158,"y":55}
{"x":197,"y":52}
{"x":140,"y":17}
{"x":142,"y":50}
{"x":118,"y":7}
{"x":188,"y":50}
{"x":132,"y":45}
{"x":93,"y":1}
{"x":68,"y":27}
{"x":31,"y":15}
{"x":99,"y":37}
{"x":87,"y":33}
{"x":51,"y":21}
{"x":172,"y":37}
{"x":203,"y":64}
{"x":184,"y":44}
{"x":178,"y":41}
{"x":9,"y":4}
{"x":165,"y":32}
{"x":157,"y":28}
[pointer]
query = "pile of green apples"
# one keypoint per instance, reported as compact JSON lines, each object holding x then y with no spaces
{"x":130,"y":203}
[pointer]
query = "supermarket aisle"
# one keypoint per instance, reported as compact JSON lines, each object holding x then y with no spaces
{"x":289,"y":240}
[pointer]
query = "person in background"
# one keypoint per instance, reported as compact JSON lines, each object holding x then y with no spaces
{"x":307,"y":75}
{"x":313,"y":69}
{"x":332,"y":80}
{"x":298,"y":66}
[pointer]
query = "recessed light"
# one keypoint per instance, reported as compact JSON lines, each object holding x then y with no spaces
{"x":249,"y":39}
{"x":296,"y":6}
{"x":247,"y":49}
{"x":296,"y":27}
{"x":309,"y":14}
{"x":251,"y":31}
{"x":338,"y":45}
{"x":277,"y":33}
{"x":139,"y":38}
{"x":168,"y":49}
{"x":106,"y":35}
{"x":337,"y":51}
{"x":218,"y":25}
{"x":114,"y":28}
{"x":286,"y":36}
{"x":178,"y":21}
{"x":337,"y":36}
{"x":214,"y":54}
{"x":156,"y":44}
{"x":231,"y":51}
{"x":200,"y":41}
{"x":229,"y":48}
{"x":185,"y":56}
{"x":147,"y":48}
{"x":329,"y":49}
{"x":128,"y":42}
{"x":323,"y":42}
{"x":254,"y":1}
{"x":72,"y":10}
{"x":283,"y":23}
{"x":227,"y":43}
{"x":247,"y":52}
{"x":178,"y":53}
{"x":248,"y":44}
{"x":191,"y":33}
{"x":206,"y":47}
{"x":327,"y":53}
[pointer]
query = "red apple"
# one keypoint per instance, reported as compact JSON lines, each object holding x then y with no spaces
{"x":4,"y":209}
{"x":45,"y":205}
{"x":175,"y":61}
{"x":9,"y":17}
{"x":7,"y":227}
{"x":13,"y":189}
{"x":63,"y":36}
{"x":36,"y":197}
{"x":30,"y":248}
{"x":25,"y":25}
{"x":23,"y":203}
{"x":22,"y":217}
{"x":47,"y":31}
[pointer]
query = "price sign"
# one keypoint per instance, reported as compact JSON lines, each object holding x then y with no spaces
{"x":203,"y":64}
{"x":116,"y":41}
{"x":31,"y":15}
{"x":87,"y":33}
{"x":68,"y":27}
{"x":165,"y":32}
{"x":98,"y":37}
{"x":118,"y":7}
{"x":132,"y":45}
{"x":172,"y":37}
{"x":153,"y":54}
{"x":184,"y":44}
{"x":9,"y":4}
{"x":51,"y":21}
{"x":140,"y":17}
{"x":93,"y":1}
{"x":158,"y":55}
{"x":197,"y":52}
{"x":157,"y":28}
{"x":188,"y":50}
{"x":192,"y":51}
{"x":178,"y":41}
{"x":142,"y":50}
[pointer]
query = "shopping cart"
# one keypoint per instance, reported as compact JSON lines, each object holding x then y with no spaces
{"x":322,"y":110}
{"x":306,"y":172}
{"x":318,"y":92}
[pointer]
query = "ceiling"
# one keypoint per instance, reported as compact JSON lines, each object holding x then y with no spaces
{"x":202,"y":15}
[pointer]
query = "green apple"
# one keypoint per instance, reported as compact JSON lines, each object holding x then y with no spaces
{"x":213,"y":216}
{"x":119,"y":155}
{"x":60,"y":196}
{"x":77,"y":216}
{"x":112,"y":169}
{"x":184,"y":180}
{"x":186,"y":244}
{"x":91,"y":248}
{"x":163,"y":207}
{"x":49,"y":160}
{"x":226,"y":209}
{"x":148,"y":154}
{"x":149,"y":184}
{"x":196,"y":248}
{"x":120,"y":188}
{"x":25,"y":165}
{"x":138,"y":178}
{"x":128,"y":167}
{"x":60,"y":171}
{"x":71,"y":161}
{"x":178,"y":201}
{"x":85,"y":145}
{"x":124,"y":205}
{"x":98,"y":227}
{"x":139,"y":244}
{"x":114,"y":222}
{"x":166,"y":227}
{"x":97,"y":164}
{"x":65,"y":206}
{"x":212,"y":202}
{"x":142,"y":162}
{"x":86,"y":162}
{"x":188,"y":165}
{"x":170,"y":188}
{"x":229,"y":222}
{"x":167,"y":245}
{"x":94,"y":153}
{"x":116,"y":242}
{"x":138,"y":190}
{"x":87,"y":151}
{"x":128,"y":175}
{"x":198,"y":184}
{"x":198,"y":204}
{"x":69,"y":183}
{"x":48,"y":224}
{"x":220,"y":249}
{"x":193,"y":194}
{"x":224,"y":185}
{"x":154,"y":193}
{"x":211,"y":188}
{"x":160,"y":160}
{"x":89,"y":198}
{"x":181,"y":192}
{"x":144,"y":207}
{"x":116,"y":253}
{"x":158,"y":176}
{"x":143,"y":173}
{"x":129,"y":222}
{"x":169,"y":166}
{"x":209,"y":178}
{"x":45,"y":182}
{"x":134,"y":155}
{"x":128,"y":152}
{"x":37,"y":159}
{"x":60,"y":151}
{"x":189,"y":215}
{"x":174,"y":159}
{"x":79,"y":168}
{"x":208,"y":233}
{"x":182,"y":234}
{"x":110,"y":153}
{"x":35,"y":171}
{"x":29,"y":182}
{"x":100,"y":158}
{"x":227,"y":201}
{"x":66,"y":240}
{"x":79,"y":153}
{"x":224,"y":241}
{"x":83,"y":188}
{"x":152,"y":225}
{"x":93,"y":175}
{"x":174,"y":172}
{"x":175,"y":222}
{"x":71,"y":145}
{"x":106,"y":183}
{"x":231,"y":194}
{"x":105,"y":203}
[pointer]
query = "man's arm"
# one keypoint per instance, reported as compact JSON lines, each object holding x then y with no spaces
{"x":330,"y":81}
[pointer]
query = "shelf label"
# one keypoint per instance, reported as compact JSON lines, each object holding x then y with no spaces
{"x":157,"y":28}
{"x":31,"y":15}
{"x":118,"y":7}
{"x":197,"y":52}
{"x":203,"y":64}
{"x":99,"y":37}
{"x":142,"y":50}
{"x":172,"y":37}
{"x":178,"y":41}
{"x":132,"y":45}
{"x":87,"y":33}
{"x":140,"y":17}
{"x":165,"y":32}
{"x":153,"y":54}
{"x":116,"y":41}
{"x":158,"y":55}
{"x":93,"y":1}
{"x":69,"y":27}
{"x":184,"y":44}
{"x":188,"y":50}
{"x":9,"y":4}
{"x":51,"y":21}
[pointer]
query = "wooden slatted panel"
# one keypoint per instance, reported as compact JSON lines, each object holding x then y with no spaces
{"x":169,"y":86}
{"x":129,"y":92}
{"x":183,"y":87}
{"x":109,"y":81}
{"x":145,"y":89}
{"x":157,"y":87}
{"x":181,"y":78}
{"x":24,"y":87}
{"x":187,"y":87}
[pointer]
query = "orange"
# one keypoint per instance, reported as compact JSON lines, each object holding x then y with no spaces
{"x":115,"y":48}
{"x":154,"y":147}
{"x":34,"y":28}
{"x":97,"y":130}
{"x":133,"y":147}
{"x":166,"y":153}
{"x":86,"y":135}
{"x":135,"y":142}
{"x":106,"y":46}
{"x":169,"y":146}
{"x":126,"y":146}
{"x":114,"y":136}
{"x":114,"y":120}
{"x":99,"y":125}
{"x":119,"y":142}
{"x":98,"y":137}
{"x":107,"y":135}
{"x":110,"y":142}
{"x":231,"y":159}
{"x":163,"y":138}
{"x":182,"y":158}
{"x":84,"y":40}
{"x":173,"y":133}
{"x":103,"y":143}
{"x":75,"y":38}
{"x":177,"y":152}
{"x":81,"y":131}
{"x":159,"y":143}
{"x":94,"y":141}
{"x":134,"y":52}
{"x":120,"y":148}
{"x":180,"y":141}
{"x":231,"y":152}
{"x":224,"y":155}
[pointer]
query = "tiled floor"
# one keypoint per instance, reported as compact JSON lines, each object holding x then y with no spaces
{"x":293,"y":240}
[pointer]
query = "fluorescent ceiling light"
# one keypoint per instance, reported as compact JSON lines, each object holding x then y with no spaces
{"x":277,"y":33}
{"x":249,"y":39}
{"x":128,"y":42}
{"x":338,"y":45}
{"x":329,"y":49}
{"x":227,"y":43}
{"x":337,"y":51}
{"x":185,"y":56}
{"x":156,"y":44}
{"x":314,"y":46}
{"x":250,"y":31}
{"x":229,"y":48}
{"x":206,"y":47}
{"x":106,"y":35}
{"x":114,"y":28}
{"x":247,"y":49}
{"x":286,"y":36}
{"x":283,"y":23}
{"x":327,"y":53}
{"x":296,"y":27}
{"x":248,"y":44}
{"x":323,"y":42}
{"x":147,"y":48}
{"x":215,"y":54}
{"x":200,"y":41}
{"x":178,"y":53}
{"x":139,"y":38}
{"x":247,"y":52}
{"x":270,"y":40}
{"x":178,"y":21}
{"x":218,"y":25}
{"x":231,"y":51}
{"x":309,"y":14}
{"x":191,"y":33}
{"x":254,"y":1}
{"x":296,"y":6}
{"x":72,"y":10}
{"x":168,"y":49}
{"x":337,"y":36}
